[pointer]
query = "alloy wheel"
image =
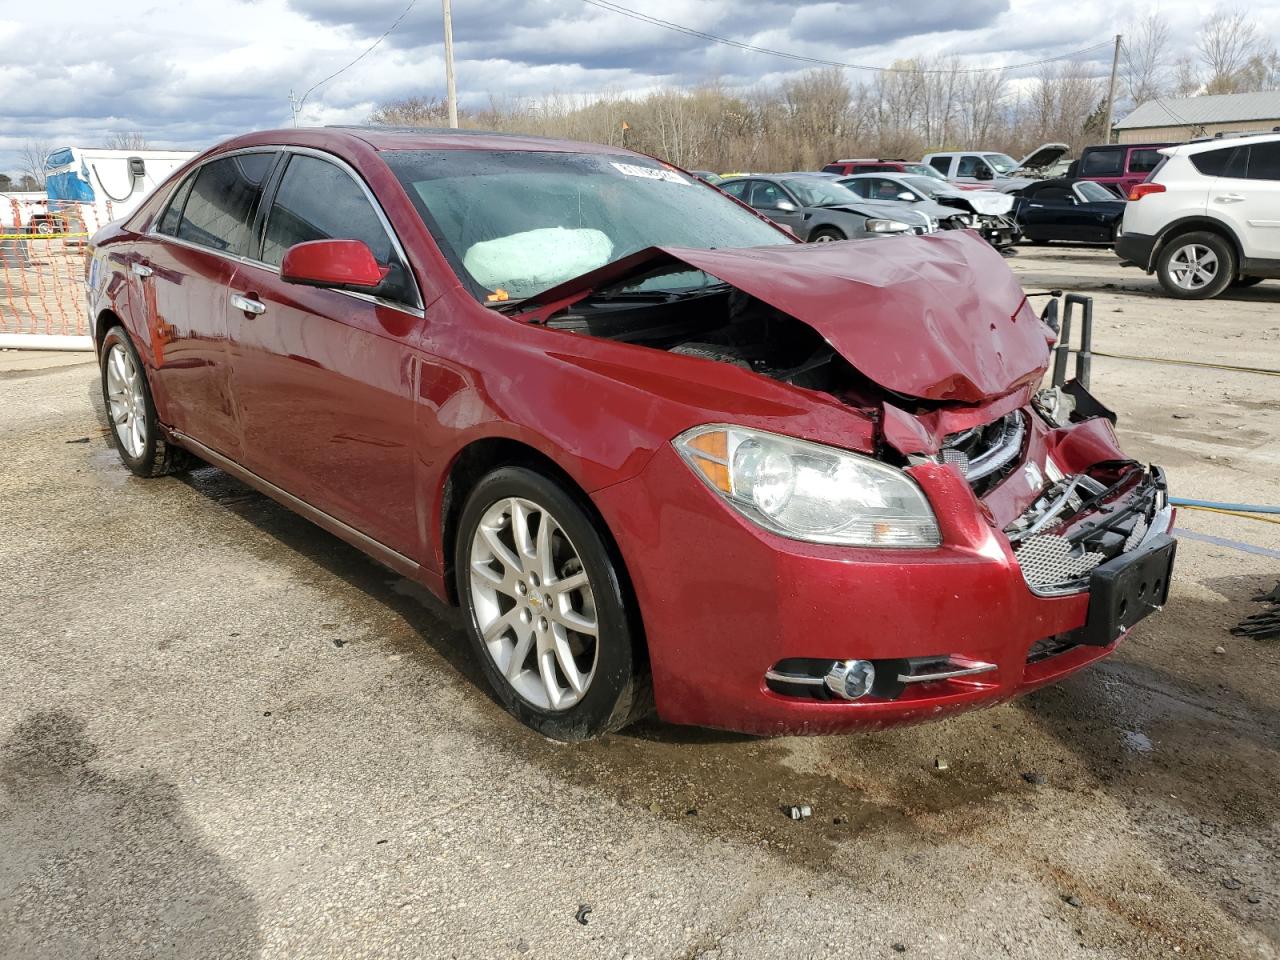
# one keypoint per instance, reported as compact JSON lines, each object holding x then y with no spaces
{"x":127,"y":401}
{"x":1193,"y":267}
{"x":533,"y":604}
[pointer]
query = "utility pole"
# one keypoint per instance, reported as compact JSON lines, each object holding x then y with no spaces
{"x":448,"y":64}
{"x":1111,"y":89}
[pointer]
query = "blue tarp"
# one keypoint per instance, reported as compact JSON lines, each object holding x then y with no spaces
{"x":67,"y":184}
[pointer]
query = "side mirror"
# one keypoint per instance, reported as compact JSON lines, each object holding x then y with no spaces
{"x":784,"y":206}
{"x":908,"y":196}
{"x":332,"y":263}
{"x":983,"y":172}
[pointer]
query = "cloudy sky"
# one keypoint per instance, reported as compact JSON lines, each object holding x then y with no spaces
{"x":189,"y":73}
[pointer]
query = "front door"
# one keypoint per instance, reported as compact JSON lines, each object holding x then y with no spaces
{"x":324,"y":378}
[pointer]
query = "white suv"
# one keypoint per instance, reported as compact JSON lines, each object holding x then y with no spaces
{"x":1208,"y":217}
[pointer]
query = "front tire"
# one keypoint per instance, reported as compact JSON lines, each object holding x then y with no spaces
{"x":126,"y":395}
{"x":826,"y":235}
{"x":546,"y":611}
{"x":1196,"y":266}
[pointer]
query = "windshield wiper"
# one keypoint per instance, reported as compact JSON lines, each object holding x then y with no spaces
{"x":653,"y":296}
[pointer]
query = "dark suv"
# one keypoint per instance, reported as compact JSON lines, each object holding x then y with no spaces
{"x":1117,"y":165}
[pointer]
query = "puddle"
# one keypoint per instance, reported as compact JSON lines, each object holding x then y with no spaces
{"x":1136,"y":741}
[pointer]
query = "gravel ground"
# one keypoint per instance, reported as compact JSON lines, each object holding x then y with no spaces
{"x":224,"y":733}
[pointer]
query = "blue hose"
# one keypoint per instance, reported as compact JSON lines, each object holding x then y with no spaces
{"x":1241,"y":507}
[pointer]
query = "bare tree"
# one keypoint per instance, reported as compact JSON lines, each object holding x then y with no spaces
{"x":1186,"y":78}
{"x":128,"y":140}
{"x":1146,"y":58}
{"x":1228,"y":40}
{"x":31,"y":159}
{"x":414,"y":112}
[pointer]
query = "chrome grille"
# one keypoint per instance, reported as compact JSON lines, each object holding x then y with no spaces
{"x":984,"y":451}
{"x":1050,"y":562}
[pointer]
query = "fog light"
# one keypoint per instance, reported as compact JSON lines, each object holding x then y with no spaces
{"x":851,"y":679}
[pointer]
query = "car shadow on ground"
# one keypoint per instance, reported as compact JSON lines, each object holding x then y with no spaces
{"x":106,"y":865}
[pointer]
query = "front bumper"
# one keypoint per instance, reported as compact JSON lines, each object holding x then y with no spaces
{"x":999,"y":231}
{"x":723,"y":601}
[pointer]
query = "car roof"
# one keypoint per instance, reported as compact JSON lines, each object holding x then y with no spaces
{"x":1200,"y":146}
{"x":386,"y":138}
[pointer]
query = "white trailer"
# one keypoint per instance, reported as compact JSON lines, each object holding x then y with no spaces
{"x":92,"y":187}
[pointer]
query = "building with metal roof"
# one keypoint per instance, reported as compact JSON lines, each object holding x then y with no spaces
{"x":1183,"y":118}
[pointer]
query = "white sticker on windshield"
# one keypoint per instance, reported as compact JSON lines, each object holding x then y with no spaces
{"x":649,"y":173}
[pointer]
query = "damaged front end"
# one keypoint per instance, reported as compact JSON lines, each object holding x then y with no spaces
{"x":1049,"y":542}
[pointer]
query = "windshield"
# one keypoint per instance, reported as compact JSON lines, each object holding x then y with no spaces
{"x":814,"y":192}
{"x":1094,"y":192}
{"x":924,"y":170}
{"x":928,"y":186}
{"x":514,"y":223}
{"x":1001,"y":163}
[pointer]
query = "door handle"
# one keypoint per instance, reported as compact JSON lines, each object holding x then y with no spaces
{"x":1231,"y":197}
{"x":141,"y":269}
{"x":248,"y":304}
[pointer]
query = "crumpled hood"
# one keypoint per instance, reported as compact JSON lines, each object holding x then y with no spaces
{"x":938,"y":317}
{"x":986,"y":201}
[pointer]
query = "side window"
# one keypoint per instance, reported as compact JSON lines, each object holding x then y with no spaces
{"x":833,"y":168}
{"x":219,"y":210}
{"x":168,"y":225}
{"x":941,"y":164}
{"x":1143,"y":161}
{"x":886,"y":189}
{"x":736,"y":188}
{"x":973,"y":166}
{"x":1102,"y":163}
{"x":861,"y":187}
{"x":1226,"y":162}
{"x":766,"y":195}
{"x":319,"y":201}
{"x":1264,"y":161}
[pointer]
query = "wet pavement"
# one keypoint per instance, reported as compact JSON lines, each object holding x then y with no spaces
{"x":225,"y":733}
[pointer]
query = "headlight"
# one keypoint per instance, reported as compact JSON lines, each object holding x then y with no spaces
{"x":887,"y":226}
{"x":808,"y":491}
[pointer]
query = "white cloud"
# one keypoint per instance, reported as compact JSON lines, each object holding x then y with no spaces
{"x":190,"y":73}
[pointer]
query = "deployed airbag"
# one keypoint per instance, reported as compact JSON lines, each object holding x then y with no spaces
{"x":535,"y":259}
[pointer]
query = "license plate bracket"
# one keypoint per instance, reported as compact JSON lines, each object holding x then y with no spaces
{"x":1128,"y":588}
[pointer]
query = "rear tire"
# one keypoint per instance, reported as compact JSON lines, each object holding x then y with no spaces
{"x":826,"y":235}
{"x":126,"y":395}
{"x":547,"y":614}
{"x":1196,"y":266}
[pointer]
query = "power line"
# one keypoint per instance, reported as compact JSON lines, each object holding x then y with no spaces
{"x":689,"y":31}
{"x":298,"y":108}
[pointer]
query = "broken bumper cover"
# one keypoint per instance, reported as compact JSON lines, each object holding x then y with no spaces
{"x":724,"y":602}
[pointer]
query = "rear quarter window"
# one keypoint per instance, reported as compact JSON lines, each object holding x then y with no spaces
{"x":1102,"y":163}
{"x":1226,"y":162}
{"x":1143,"y":161}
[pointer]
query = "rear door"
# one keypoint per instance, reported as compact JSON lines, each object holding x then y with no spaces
{"x":184,"y":268}
{"x":325,"y":377}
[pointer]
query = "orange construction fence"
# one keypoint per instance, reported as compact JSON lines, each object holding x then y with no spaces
{"x":42,"y":273}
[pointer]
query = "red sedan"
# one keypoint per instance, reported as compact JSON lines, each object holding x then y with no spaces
{"x":662,"y":454}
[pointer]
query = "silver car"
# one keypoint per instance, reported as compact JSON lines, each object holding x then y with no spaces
{"x":986,"y":211}
{"x":819,"y":210}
